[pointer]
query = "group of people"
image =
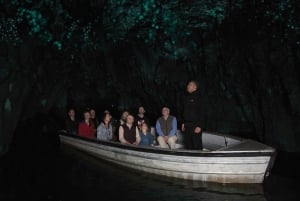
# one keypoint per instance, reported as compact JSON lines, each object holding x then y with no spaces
{"x":129,"y":129}
{"x":136,"y":129}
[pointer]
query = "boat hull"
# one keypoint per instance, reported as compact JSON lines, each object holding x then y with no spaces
{"x":216,"y":166}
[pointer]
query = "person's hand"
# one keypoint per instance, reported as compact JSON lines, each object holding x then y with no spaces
{"x":182,"y":128}
{"x":197,"y":130}
{"x":135,"y":143}
{"x":166,"y":138}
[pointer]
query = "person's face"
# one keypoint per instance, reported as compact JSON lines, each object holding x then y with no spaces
{"x":144,"y":127}
{"x":92,"y":113}
{"x":107,"y":117}
{"x":87,"y":115}
{"x":165,"y":111}
{"x":71,"y":113}
{"x":124,"y":115}
{"x":141,"y":110}
{"x":129,"y":119}
{"x":191,"y":87}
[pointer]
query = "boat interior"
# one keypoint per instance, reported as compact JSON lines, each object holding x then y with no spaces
{"x":213,"y":141}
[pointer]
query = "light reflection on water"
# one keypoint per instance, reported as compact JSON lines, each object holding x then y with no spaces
{"x":91,"y":179}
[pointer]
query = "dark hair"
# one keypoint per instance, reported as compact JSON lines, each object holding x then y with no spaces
{"x":85,"y":111}
{"x":165,"y":106}
{"x":71,"y":109}
{"x":145,"y":124}
{"x":124,"y":112}
{"x":103,"y":116}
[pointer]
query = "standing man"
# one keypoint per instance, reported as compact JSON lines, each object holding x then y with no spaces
{"x":193,"y":117}
{"x":166,"y":128}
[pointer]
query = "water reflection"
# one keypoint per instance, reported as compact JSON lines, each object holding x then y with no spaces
{"x":87,"y":178}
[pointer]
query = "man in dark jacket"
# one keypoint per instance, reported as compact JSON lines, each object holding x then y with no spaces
{"x":193,"y":117}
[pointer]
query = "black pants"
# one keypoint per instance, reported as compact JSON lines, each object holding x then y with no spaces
{"x":192,"y":140}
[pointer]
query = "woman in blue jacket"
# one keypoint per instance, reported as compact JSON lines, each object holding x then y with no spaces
{"x":145,"y":135}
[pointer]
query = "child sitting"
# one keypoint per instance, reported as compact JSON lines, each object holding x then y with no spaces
{"x":145,"y":135}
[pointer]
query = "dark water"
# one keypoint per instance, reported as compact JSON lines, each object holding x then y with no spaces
{"x":49,"y":171}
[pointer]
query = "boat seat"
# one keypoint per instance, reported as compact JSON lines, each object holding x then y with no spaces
{"x":179,"y":146}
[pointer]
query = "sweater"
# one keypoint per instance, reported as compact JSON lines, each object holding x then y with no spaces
{"x":104,"y":133}
{"x":166,"y":127}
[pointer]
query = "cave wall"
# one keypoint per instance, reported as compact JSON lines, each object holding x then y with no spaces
{"x":119,"y":54}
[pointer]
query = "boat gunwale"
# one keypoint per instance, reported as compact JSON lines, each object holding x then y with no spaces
{"x":178,"y":152}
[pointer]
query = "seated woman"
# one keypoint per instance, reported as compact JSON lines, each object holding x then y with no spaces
{"x":145,"y":135}
{"x":129,"y":132}
{"x":86,"y":128}
{"x":104,"y":130}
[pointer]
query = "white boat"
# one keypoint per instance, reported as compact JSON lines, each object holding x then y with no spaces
{"x":224,"y":159}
